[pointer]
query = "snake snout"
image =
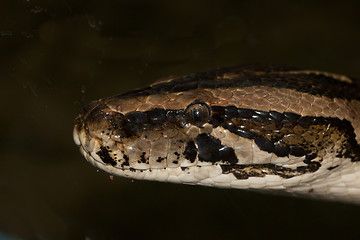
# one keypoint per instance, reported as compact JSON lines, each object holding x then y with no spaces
{"x":80,"y":121}
{"x":97,"y":128}
{"x":100,"y":121}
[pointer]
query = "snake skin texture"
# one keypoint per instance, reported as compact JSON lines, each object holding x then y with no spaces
{"x":258,"y":127}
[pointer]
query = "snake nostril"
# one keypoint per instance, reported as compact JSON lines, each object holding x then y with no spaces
{"x":156,"y":116}
{"x":136,"y":117}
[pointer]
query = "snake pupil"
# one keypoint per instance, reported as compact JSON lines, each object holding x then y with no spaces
{"x":197,"y":113}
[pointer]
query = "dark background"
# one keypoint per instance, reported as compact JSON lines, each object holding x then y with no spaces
{"x":56,"y":56}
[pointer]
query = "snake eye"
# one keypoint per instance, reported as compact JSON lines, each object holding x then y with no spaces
{"x":197,"y":113}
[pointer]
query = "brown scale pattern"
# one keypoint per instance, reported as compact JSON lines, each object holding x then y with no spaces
{"x":288,"y":133}
{"x":113,"y":128}
{"x":264,"y":98}
{"x":283,"y":134}
{"x":280,"y":100}
{"x":262,"y":87}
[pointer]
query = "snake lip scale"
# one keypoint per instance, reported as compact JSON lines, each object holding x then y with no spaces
{"x":258,"y":127}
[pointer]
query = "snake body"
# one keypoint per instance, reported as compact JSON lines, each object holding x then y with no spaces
{"x":259,"y":127}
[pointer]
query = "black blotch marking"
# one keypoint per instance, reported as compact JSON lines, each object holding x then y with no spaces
{"x":231,"y":112}
{"x":264,"y":144}
{"x":311,"y":167}
{"x":331,"y":168}
{"x":132,"y":169}
{"x":305,"y":122}
{"x":310,"y":157}
{"x":291,"y":117}
{"x":217,"y":115}
{"x":142,"y":157}
{"x":258,"y":116}
{"x":160,"y":159}
{"x":281,"y":149}
{"x":126,"y":161}
{"x":190,"y":151}
{"x":211,"y":150}
{"x":183,"y":168}
{"x":175,"y":162}
{"x":297,"y":151}
{"x":103,"y":153}
{"x":243,"y":133}
{"x":246,"y":113}
{"x":276,"y":116}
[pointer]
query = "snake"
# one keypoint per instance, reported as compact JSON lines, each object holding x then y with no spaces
{"x":261,"y":127}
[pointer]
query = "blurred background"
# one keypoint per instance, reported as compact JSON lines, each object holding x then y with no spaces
{"x":57,"y":55}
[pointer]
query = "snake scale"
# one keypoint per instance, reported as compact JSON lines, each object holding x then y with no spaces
{"x":258,"y":127}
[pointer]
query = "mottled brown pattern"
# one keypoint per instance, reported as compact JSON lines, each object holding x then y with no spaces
{"x":311,"y":82}
{"x":158,"y":137}
{"x":247,"y":127}
{"x":284,"y":133}
{"x":261,"y":170}
{"x":262,"y":87}
{"x":260,"y":98}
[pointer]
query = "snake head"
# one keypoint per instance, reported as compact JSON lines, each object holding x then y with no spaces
{"x":154,"y":139}
{"x":274,"y":129}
